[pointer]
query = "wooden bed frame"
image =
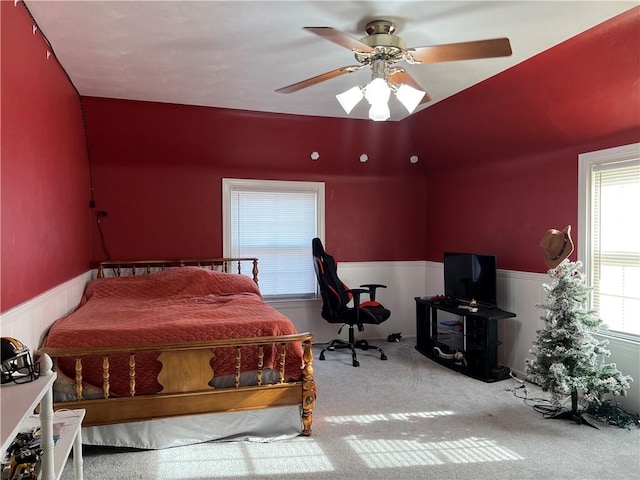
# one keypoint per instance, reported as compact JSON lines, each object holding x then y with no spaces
{"x":184,"y":393}
{"x":137,"y":267}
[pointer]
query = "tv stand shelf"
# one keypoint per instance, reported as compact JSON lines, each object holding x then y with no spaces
{"x":468,"y":344}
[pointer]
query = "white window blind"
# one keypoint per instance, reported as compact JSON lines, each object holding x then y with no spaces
{"x":275,"y":221}
{"x":614,"y":243}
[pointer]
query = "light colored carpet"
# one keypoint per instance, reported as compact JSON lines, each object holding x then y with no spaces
{"x":406,"y":418}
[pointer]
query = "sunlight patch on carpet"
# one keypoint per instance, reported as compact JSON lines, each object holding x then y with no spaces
{"x":239,"y":459}
{"x":381,"y":417}
{"x":410,"y":453}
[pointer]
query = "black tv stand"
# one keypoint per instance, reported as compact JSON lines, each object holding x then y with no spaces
{"x":449,"y":301}
{"x":468,"y":345}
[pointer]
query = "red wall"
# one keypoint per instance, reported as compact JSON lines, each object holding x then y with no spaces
{"x":514,"y":173}
{"x":498,"y":163}
{"x":157,"y":170}
{"x":45,"y":216}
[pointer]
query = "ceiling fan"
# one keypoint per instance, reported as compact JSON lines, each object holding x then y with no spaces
{"x":382,"y":50}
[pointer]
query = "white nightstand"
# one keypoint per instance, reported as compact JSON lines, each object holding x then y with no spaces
{"x":17,"y":403}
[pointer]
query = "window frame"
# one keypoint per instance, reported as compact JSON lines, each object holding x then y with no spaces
{"x":229,"y":184}
{"x":586,"y":162}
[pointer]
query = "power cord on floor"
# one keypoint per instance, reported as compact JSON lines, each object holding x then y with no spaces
{"x":608,"y":411}
{"x":521,"y":391}
{"x":544,"y":406}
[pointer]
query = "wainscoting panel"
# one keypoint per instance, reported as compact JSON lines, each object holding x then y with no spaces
{"x":404,"y":280}
{"x":29,"y":321}
{"x":518,"y":292}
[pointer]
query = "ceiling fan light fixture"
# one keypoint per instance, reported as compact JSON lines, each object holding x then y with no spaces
{"x":350,"y":98}
{"x":379,"y":112}
{"x":377,"y":91}
{"x":409,"y":97}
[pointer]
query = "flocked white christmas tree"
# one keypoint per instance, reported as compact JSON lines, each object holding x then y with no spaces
{"x":568,"y":360}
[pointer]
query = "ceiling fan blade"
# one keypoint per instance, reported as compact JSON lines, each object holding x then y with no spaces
{"x":406,"y":78}
{"x":497,"y":47}
{"x":336,"y":36}
{"x":294,"y":87}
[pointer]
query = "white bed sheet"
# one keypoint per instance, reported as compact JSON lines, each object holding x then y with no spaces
{"x":264,"y":425}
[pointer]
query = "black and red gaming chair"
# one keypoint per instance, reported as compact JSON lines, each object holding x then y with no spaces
{"x":335,"y":299}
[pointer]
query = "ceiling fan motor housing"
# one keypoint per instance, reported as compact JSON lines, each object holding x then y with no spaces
{"x":386,"y":45}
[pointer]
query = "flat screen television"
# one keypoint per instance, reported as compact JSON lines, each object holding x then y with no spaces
{"x":470,"y":276}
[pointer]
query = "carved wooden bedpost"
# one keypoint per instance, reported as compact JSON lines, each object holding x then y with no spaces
{"x":132,"y":374}
{"x":105,"y":376}
{"x":255,"y":270}
{"x":308,"y":389}
{"x":78,"y":378}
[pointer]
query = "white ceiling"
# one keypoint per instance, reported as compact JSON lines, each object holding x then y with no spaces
{"x":235,"y":54}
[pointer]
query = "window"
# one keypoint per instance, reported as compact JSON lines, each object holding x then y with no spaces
{"x":609,"y":235}
{"x":275,"y":221}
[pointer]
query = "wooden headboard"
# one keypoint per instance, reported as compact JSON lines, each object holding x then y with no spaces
{"x":143,"y":267}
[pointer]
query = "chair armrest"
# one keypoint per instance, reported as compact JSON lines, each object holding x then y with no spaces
{"x":371,"y":287}
{"x":356,"y":292}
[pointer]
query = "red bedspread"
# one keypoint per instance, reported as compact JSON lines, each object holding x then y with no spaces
{"x":180,"y":305}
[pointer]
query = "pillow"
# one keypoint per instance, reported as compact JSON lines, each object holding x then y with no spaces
{"x":182,"y":281}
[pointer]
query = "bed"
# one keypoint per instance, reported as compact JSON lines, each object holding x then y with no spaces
{"x":162,"y":347}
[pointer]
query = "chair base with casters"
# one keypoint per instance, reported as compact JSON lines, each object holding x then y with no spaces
{"x":351,"y":344}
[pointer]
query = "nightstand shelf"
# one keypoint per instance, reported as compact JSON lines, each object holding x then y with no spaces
{"x":18,"y":404}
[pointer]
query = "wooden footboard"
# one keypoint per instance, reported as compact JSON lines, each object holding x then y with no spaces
{"x":185,"y":376}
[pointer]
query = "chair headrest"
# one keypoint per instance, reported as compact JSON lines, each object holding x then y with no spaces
{"x":317,"y":248}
